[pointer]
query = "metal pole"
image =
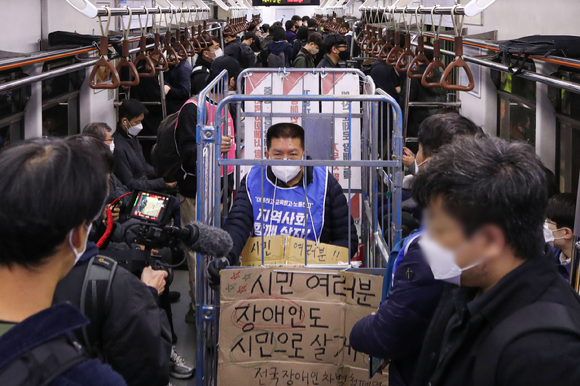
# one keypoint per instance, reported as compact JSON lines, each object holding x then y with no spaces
{"x":102,"y":12}
{"x":54,"y":73}
{"x":412,"y":10}
{"x":549,"y":80}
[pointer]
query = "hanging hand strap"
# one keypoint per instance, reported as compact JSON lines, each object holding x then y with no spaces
{"x":458,"y":62}
{"x":420,"y":58}
{"x":436,"y":63}
{"x":104,"y":68}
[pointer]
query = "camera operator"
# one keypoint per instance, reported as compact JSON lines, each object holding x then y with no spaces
{"x":50,"y":191}
{"x":128,"y":329}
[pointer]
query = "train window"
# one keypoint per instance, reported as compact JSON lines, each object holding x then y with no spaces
{"x":567,"y":105}
{"x":60,"y":100}
{"x":12,"y":103}
{"x":516,"y":106}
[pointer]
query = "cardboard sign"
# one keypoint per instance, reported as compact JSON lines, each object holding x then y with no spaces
{"x":291,"y":327}
{"x":288,"y":250}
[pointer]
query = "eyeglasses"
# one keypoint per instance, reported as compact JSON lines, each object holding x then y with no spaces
{"x":281,"y":157}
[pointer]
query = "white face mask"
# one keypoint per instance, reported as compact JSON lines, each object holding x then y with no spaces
{"x":79,"y":254}
{"x":443,"y":262}
{"x":314,"y":51}
{"x":218,"y":53}
{"x":135,"y":130}
{"x":112,"y":147}
{"x":549,"y":234}
{"x":422,"y":163}
{"x":298,"y":24}
{"x":285,"y":173}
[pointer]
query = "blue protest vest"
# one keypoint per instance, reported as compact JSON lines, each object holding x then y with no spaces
{"x":286,"y":215}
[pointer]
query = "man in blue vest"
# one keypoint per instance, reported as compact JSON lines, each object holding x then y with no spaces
{"x":294,"y":200}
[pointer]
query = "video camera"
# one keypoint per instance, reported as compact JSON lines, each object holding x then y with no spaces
{"x":154,"y":210}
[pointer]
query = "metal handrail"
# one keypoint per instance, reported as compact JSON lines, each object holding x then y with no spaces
{"x":54,"y":73}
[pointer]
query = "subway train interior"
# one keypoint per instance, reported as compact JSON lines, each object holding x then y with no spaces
{"x":289,"y":192}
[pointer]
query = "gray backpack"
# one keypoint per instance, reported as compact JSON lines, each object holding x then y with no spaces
{"x":276,"y":60}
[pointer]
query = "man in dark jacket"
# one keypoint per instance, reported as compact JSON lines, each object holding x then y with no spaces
{"x":200,"y":73}
{"x":44,"y":225}
{"x":486,"y":201}
{"x":240,"y":50}
{"x":387,"y":79}
{"x":397,"y":330}
{"x":328,"y":219}
{"x":290,"y":31}
{"x":307,"y":54}
{"x":177,"y":85}
{"x":336,"y":49}
{"x":130,"y":165}
{"x":131,"y":333}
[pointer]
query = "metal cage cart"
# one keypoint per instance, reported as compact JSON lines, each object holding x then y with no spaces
{"x":365,"y":123}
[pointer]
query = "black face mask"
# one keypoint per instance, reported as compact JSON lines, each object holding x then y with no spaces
{"x":344,"y":55}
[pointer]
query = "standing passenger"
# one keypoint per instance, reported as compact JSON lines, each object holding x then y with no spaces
{"x":307,"y":55}
{"x":336,"y":50}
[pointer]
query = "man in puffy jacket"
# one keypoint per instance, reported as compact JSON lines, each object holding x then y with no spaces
{"x":328,"y":217}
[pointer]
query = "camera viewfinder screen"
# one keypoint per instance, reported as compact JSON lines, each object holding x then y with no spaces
{"x":149,"y":206}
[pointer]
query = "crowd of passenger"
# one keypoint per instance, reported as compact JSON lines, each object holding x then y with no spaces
{"x":476,"y":293}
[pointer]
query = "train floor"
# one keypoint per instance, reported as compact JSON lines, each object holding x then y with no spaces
{"x":186,"y":333}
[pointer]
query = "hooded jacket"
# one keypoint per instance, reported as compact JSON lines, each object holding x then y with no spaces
{"x":277,"y":48}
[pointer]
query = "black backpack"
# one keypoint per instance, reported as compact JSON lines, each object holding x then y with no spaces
{"x":538,"y":45}
{"x":537,"y":317}
{"x":165,"y":154}
{"x":276,"y":60}
{"x":44,"y":363}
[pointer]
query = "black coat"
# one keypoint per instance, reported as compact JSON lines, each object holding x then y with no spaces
{"x":462,"y":323}
{"x":240,"y":221}
{"x":241,"y":52}
{"x":326,"y":62}
{"x":130,"y":165}
{"x":200,"y":75}
{"x":134,"y":332}
{"x":186,"y":139}
{"x":386,"y":78}
{"x":179,"y":79}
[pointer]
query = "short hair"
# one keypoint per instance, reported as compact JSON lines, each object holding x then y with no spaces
{"x":284,"y":130}
{"x":487,"y":180}
{"x":311,"y":23}
{"x":562,"y":210}
{"x":276,"y":24}
{"x":289,"y":24}
{"x":441,"y":129}
{"x":265,"y":27}
{"x":103,"y":152}
{"x":58,"y":188}
{"x":278,"y":34}
{"x":296,"y":18}
{"x":302,"y":33}
{"x":305,"y":18}
{"x":315,"y":38}
{"x":98,"y":129}
{"x":131,"y":108}
{"x":249,"y":35}
{"x":212,"y":39}
{"x":333,"y":40}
